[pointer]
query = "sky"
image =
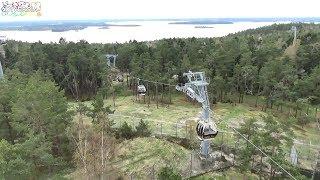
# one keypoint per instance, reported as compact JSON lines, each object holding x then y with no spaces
{"x":157,"y":9}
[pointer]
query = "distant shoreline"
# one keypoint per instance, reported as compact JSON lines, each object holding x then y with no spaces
{"x":121,"y":25}
{"x":67,"y":25}
{"x":201,"y":22}
{"x":61,"y":28}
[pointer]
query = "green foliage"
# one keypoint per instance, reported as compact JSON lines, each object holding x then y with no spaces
{"x":142,"y":130}
{"x":126,"y":131}
{"x":167,"y":173}
{"x":271,"y":137}
{"x":249,"y":62}
{"x":33,"y":108}
{"x":100,"y":113}
{"x":78,"y":68}
{"x":247,"y":153}
{"x":26,"y":159}
{"x":33,"y":116}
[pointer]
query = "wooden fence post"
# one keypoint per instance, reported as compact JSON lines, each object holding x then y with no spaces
{"x":114,"y":99}
{"x":136,"y":90}
{"x":128,"y":81}
{"x":162,"y":89}
{"x":144,"y":97}
{"x":176,"y":130}
{"x":191,"y":159}
{"x":148,"y":93}
{"x":132,"y":88}
{"x":169,"y":94}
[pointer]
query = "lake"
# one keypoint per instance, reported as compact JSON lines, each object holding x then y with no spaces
{"x":146,"y":31}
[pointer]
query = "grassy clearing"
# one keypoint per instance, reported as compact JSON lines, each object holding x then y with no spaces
{"x":230,"y":114}
{"x":230,"y":174}
{"x":145,"y":156}
{"x":227,"y":175}
{"x":163,"y":120}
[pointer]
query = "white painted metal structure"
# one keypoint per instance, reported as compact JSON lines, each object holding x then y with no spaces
{"x":1,"y":71}
{"x":294,"y":29}
{"x":3,"y":39}
{"x":111,"y":59}
{"x":294,"y":156}
{"x":196,"y":88}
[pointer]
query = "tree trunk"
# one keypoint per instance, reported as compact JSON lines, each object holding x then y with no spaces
{"x":157,"y":94}
{"x":128,"y":81}
{"x":85,"y":156}
{"x":10,"y":130}
{"x":133,"y":91}
{"x":272,"y":169}
{"x":114,"y":99}
{"x":102,"y":154}
{"x":260,"y":165}
{"x":148,"y":93}
{"x":75,"y":84}
{"x":162,"y":90}
{"x":169,"y":94}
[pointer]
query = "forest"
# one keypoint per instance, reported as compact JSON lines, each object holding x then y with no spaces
{"x":40,"y":138}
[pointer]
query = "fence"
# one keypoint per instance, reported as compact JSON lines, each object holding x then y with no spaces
{"x":226,"y":141}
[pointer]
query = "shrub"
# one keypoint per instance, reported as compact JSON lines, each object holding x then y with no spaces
{"x":143,"y":129}
{"x":168,"y":173}
{"x":126,"y":131}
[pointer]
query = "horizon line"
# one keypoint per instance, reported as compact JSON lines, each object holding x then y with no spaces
{"x":159,"y":19}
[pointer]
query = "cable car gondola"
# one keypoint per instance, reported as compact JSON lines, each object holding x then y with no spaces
{"x":141,"y":89}
{"x":120,"y":78}
{"x":206,"y":130}
{"x":3,"y":40}
{"x":182,"y":80}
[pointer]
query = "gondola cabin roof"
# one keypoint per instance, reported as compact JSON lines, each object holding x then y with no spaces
{"x":3,"y":39}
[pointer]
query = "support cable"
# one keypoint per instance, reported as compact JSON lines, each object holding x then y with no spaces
{"x":263,"y":153}
{"x":153,"y":81}
{"x":291,"y":176}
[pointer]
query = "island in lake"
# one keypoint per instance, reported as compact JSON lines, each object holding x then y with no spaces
{"x":200,"y":22}
{"x":58,"y":26}
{"x":203,"y":27}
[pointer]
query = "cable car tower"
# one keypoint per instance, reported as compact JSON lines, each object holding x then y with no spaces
{"x":111,"y":60}
{"x":2,"y":53}
{"x":294,"y":29}
{"x":196,"y":88}
{"x":1,"y":71}
{"x":141,"y":89}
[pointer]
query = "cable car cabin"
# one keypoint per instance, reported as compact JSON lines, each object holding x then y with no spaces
{"x":141,"y":90}
{"x":206,"y":130}
{"x":3,"y":40}
{"x":182,"y":80}
{"x":120,"y":78}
